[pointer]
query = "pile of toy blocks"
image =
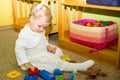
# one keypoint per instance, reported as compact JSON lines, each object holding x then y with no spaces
{"x":45,"y":75}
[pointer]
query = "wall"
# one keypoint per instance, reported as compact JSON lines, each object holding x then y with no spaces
{"x":6,"y":14}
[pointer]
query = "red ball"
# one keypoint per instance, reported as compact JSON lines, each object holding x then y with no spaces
{"x":111,"y":22}
{"x":91,"y":24}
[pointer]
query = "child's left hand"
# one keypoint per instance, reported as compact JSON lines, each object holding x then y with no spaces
{"x":51,"y":49}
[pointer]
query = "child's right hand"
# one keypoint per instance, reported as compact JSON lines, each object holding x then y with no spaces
{"x":51,"y":49}
{"x":29,"y":65}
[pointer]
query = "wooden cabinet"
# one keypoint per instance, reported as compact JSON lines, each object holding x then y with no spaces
{"x":69,"y":11}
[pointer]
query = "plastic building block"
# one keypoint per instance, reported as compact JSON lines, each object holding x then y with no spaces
{"x":65,"y":78}
{"x":29,"y":77}
{"x":58,"y":72}
{"x":35,"y":72}
{"x":65,"y":57}
{"x":111,"y":22}
{"x":60,"y":77}
{"x":71,"y":76}
{"x":13,"y":74}
{"x":46,"y":75}
{"x":105,"y":23}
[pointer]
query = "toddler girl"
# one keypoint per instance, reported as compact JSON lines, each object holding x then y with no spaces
{"x":33,"y":50}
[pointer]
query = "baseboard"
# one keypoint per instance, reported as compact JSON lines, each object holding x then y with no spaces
{"x":6,"y":27}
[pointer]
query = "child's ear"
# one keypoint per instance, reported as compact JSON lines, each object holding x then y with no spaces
{"x":31,"y":18}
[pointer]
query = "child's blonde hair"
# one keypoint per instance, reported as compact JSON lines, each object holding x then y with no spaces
{"x":41,"y":11}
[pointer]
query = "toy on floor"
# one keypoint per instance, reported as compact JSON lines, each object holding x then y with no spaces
{"x":58,"y":72}
{"x":13,"y":74}
{"x":65,"y":57}
{"x":46,"y":75}
{"x":33,"y":75}
{"x":35,"y":72}
{"x":71,"y":76}
{"x":30,"y":77}
{"x":65,"y":78}
{"x":93,"y":73}
{"x":61,"y":77}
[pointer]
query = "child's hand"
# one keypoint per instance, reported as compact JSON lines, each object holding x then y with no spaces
{"x":51,"y":49}
{"x":28,"y":65}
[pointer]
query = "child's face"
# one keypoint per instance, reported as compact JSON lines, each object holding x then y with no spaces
{"x":39,"y":24}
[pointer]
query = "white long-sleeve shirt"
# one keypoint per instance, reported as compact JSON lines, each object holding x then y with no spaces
{"x":29,"y":44}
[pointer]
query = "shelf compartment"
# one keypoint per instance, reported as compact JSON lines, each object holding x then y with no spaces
{"x":91,"y":6}
{"x":70,"y":11}
{"x":106,"y":56}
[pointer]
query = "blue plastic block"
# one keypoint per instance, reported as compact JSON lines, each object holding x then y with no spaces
{"x":58,"y":72}
{"x":28,"y":77}
{"x":46,"y":75}
{"x":71,"y":76}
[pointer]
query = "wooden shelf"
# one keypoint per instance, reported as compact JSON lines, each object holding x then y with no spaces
{"x":40,"y":0}
{"x":91,"y":6}
{"x":36,"y":0}
{"x":111,"y":50}
{"x":108,"y":56}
